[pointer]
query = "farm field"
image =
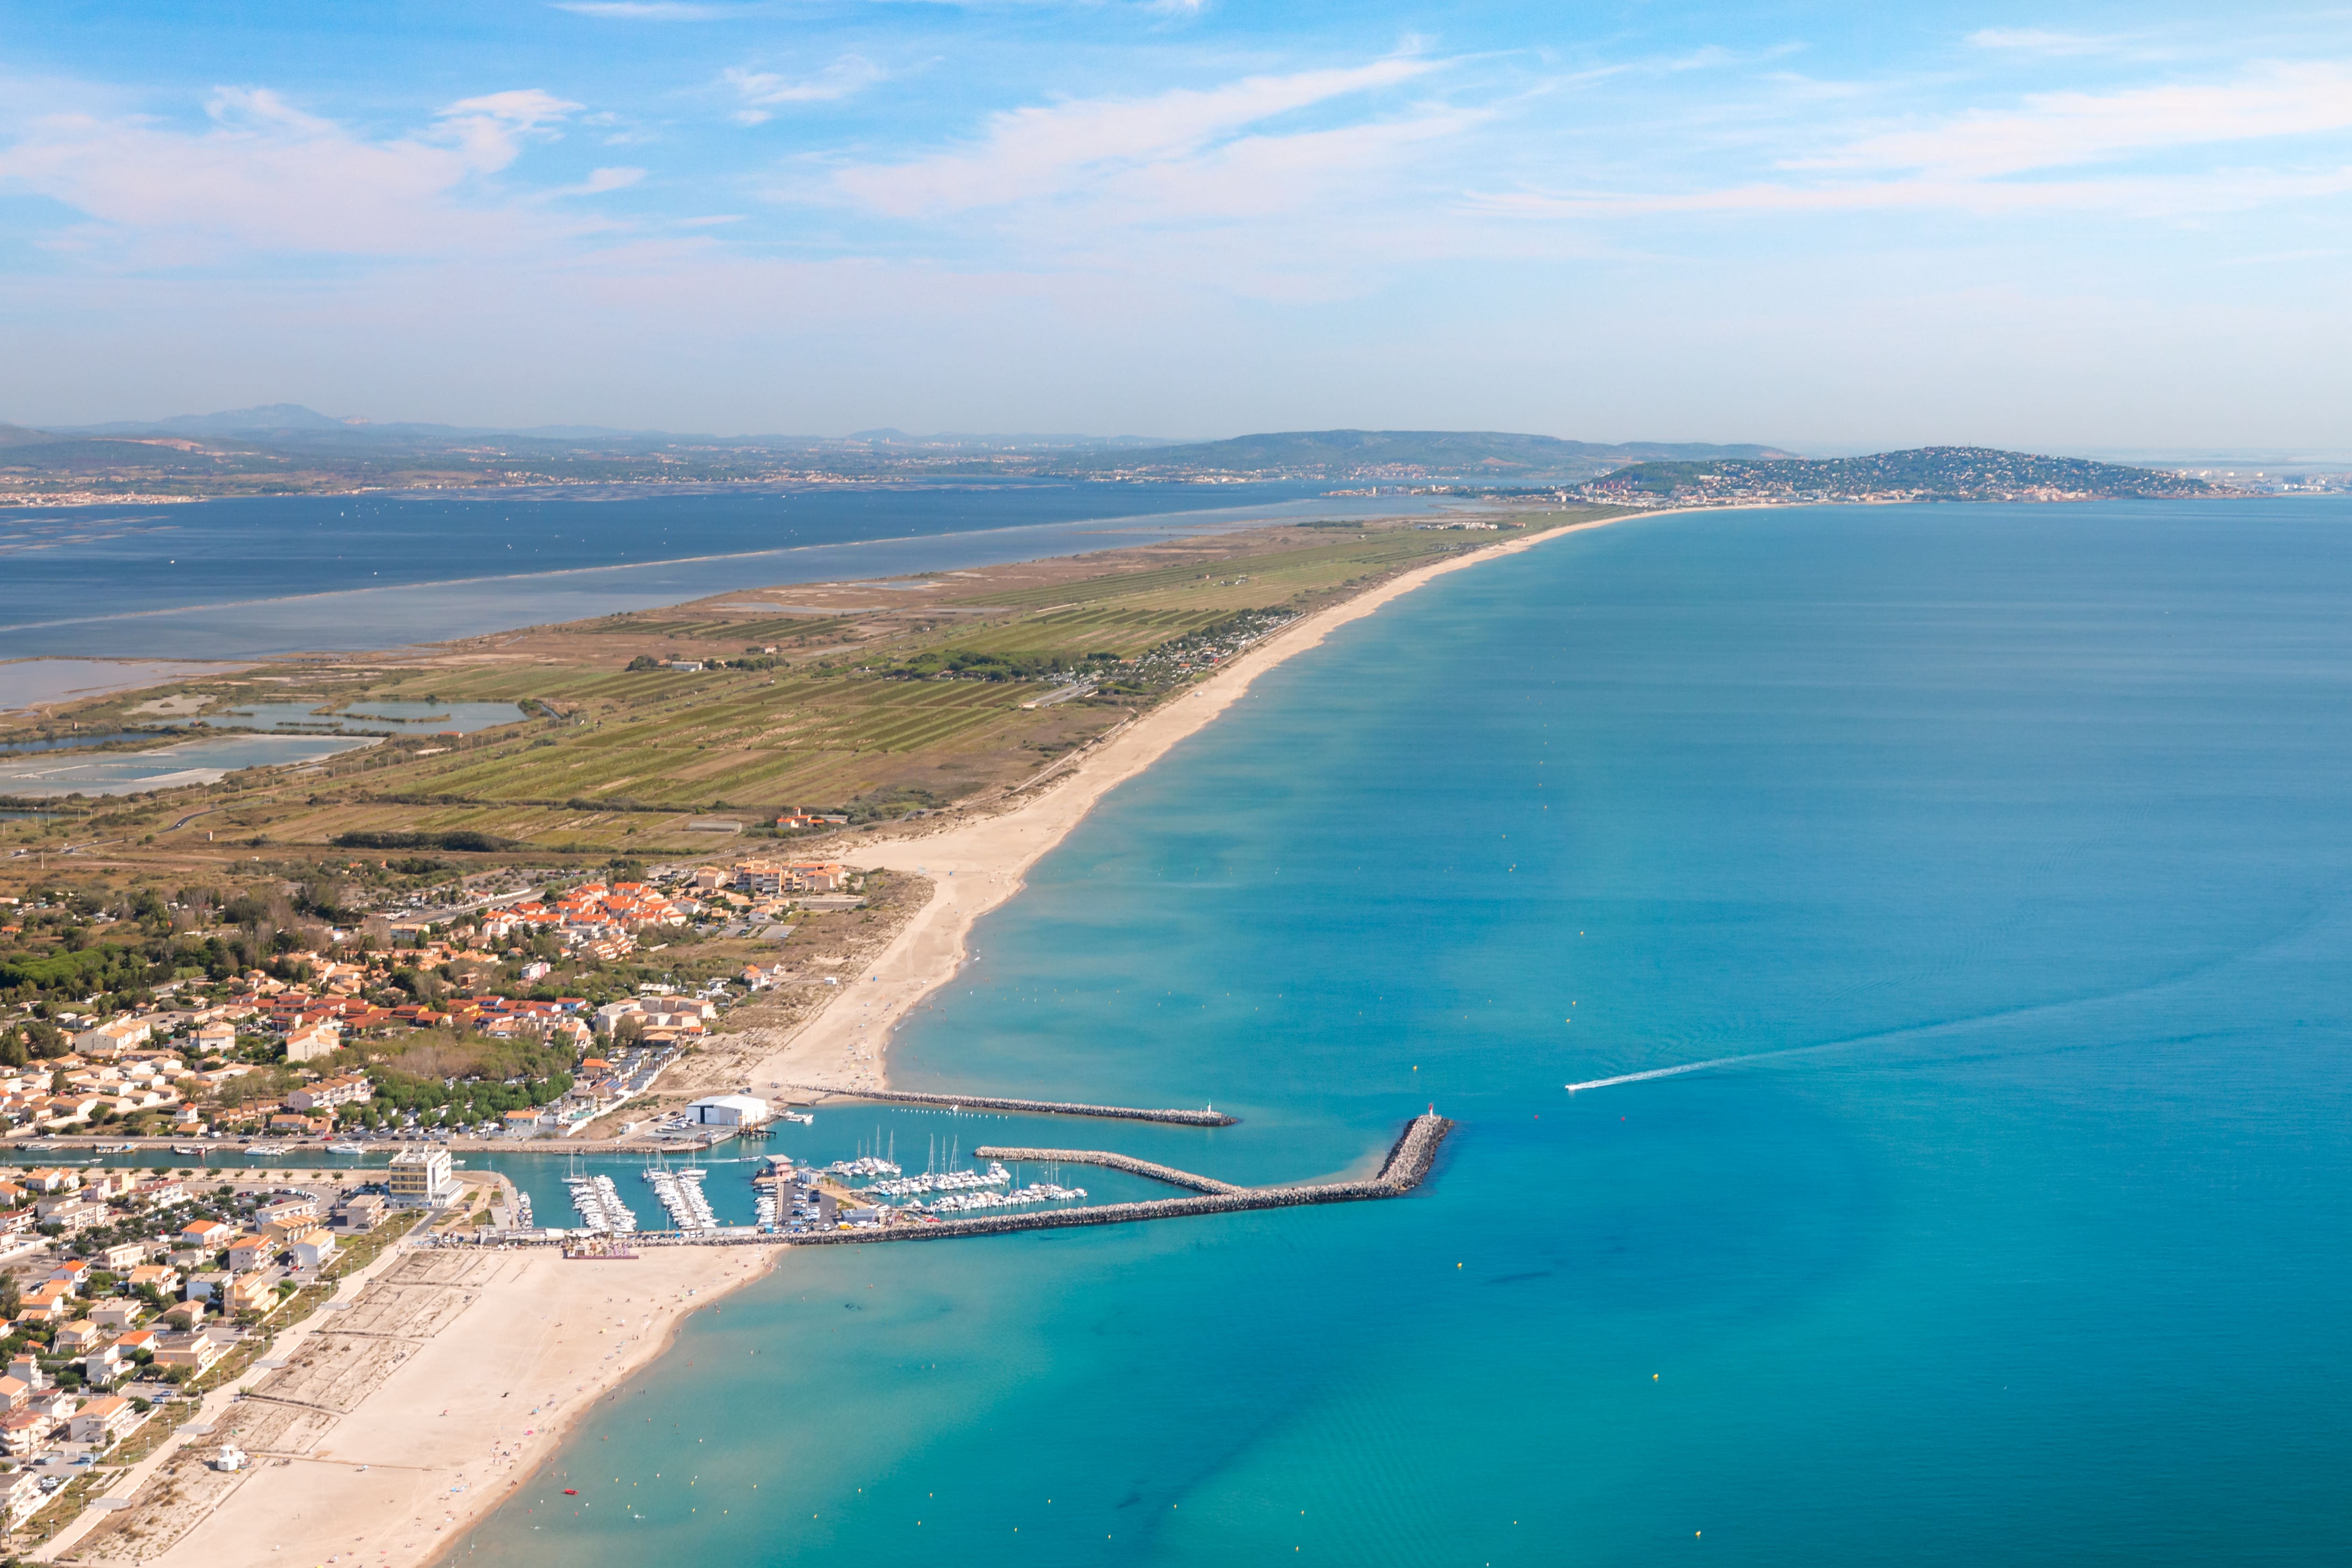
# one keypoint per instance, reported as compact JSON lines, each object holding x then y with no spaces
{"x":875,"y":699}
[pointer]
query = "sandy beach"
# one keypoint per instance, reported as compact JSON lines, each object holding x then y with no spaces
{"x":485,"y":1395}
{"x":977,"y":863}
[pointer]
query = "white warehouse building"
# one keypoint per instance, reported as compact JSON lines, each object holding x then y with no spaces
{"x":729,"y":1111}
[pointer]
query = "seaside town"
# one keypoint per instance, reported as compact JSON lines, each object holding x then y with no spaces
{"x":144,"y":1258}
{"x":244,"y":1118}
{"x":131,"y":1294}
{"x":142,"y":1022}
{"x":1927,"y":474}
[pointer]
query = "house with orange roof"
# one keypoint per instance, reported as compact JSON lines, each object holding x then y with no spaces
{"x":105,"y":1421}
{"x":161,"y":1278}
{"x":48,"y":1301}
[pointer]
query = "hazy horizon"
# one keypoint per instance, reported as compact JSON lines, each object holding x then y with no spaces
{"x":2185,"y":454}
{"x":1831,"y":230}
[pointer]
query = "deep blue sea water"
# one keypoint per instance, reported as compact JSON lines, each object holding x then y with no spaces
{"x":2032,"y":819}
{"x":238,"y":579}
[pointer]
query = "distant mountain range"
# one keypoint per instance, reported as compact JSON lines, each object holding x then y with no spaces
{"x":234,"y":422}
{"x":283,"y":448}
{"x":284,"y":421}
{"x":292,"y":420}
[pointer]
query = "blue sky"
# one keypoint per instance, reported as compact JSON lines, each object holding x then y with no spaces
{"x":1832,"y":224}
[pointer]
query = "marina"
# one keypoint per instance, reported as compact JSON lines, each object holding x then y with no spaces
{"x":680,"y":1192}
{"x":1407,"y":1166}
{"x":816,"y":1205}
{"x":598,"y":1203}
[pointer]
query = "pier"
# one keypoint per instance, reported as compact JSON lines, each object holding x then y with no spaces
{"x":1045,"y":1107}
{"x":1128,"y":1163}
{"x":1406,"y":1167}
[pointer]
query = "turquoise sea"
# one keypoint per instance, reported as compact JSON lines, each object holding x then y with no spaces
{"x":2025,"y":827}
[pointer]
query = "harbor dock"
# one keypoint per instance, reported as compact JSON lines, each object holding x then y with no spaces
{"x":1408,"y":1164}
{"x":1128,"y":1163}
{"x":1406,"y":1167}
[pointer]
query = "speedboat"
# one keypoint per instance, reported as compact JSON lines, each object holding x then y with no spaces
{"x":346,"y":1148}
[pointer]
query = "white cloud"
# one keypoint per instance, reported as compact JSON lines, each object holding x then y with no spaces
{"x":264,"y":175}
{"x":2034,"y":158}
{"x":599,"y":181}
{"x":492,"y":128}
{"x":2143,"y":196}
{"x":762,"y":91}
{"x":2037,"y":41}
{"x":1078,"y":145}
{"x":2059,"y":130}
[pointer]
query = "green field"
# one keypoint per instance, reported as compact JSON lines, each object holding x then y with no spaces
{"x":613,"y":760}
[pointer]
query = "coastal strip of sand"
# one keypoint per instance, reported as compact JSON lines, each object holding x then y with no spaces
{"x":408,"y":1417}
{"x":976,"y":864}
{"x":502,"y":1352}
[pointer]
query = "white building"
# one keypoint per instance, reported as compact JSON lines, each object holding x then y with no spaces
{"x":312,"y":1248}
{"x":420,"y":1179}
{"x":105,"y":1421}
{"x":321,"y":1039}
{"x":729,"y":1111}
{"x":114,"y":1038}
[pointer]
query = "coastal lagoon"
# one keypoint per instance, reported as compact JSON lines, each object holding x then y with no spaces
{"x":236,"y":579}
{"x":65,"y":772}
{"x":2009,"y":843}
{"x":27,"y":682}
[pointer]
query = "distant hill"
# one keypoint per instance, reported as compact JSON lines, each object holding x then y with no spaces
{"x":1017,"y":439}
{"x":1923,"y":473}
{"x":270,"y":417}
{"x":1491,"y":455}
